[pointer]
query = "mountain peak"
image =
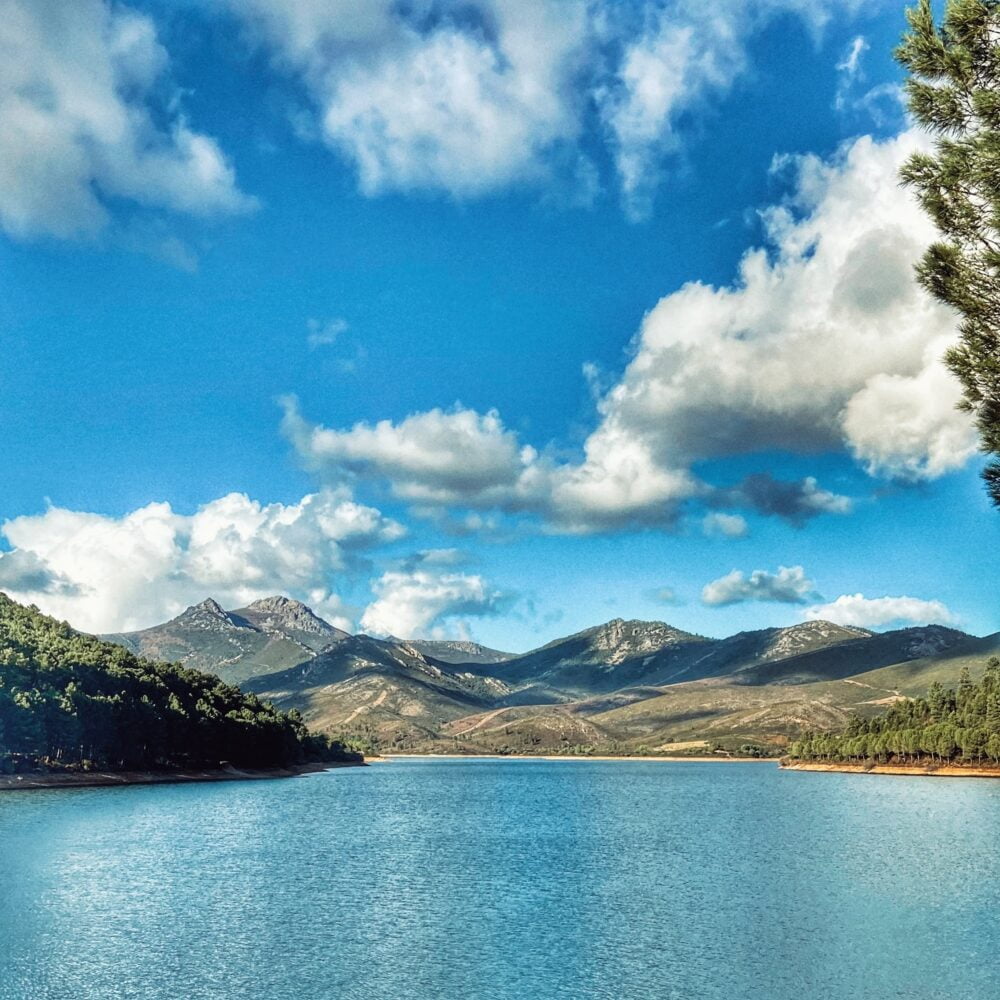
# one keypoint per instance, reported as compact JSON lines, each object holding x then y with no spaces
{"x":621,"y":638}
{"x":279,"y":604}
{"x":277,"y":613}
{"x":823,"y":627}
{"x":621,"y":628}
{"x":208,"y":614}
{"x":209,"y":604}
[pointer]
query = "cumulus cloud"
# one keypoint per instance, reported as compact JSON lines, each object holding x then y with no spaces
{"x":108,"y":574}
{"x":453,"y":456}
{"x":460,"y":96}
{"x":824,"y":343}
{"x":906,"y":426}
{"x":788,"y":586}
{"x":88,"y":119}
{"x":865,"y":612}
{"x":427,"y":601}
{"x":25,"y":573}
{"x":466,"y":459}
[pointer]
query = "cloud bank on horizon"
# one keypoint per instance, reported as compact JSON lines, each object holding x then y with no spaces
{"x":820,"y":343}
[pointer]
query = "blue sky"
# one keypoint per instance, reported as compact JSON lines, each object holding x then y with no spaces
{"x":574,"y":310}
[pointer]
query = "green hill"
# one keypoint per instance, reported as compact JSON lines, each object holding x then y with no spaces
{"x":74,"y":702}
{"x":948,"y":724}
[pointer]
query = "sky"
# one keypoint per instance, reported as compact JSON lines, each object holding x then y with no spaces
{"x":490,"y":320}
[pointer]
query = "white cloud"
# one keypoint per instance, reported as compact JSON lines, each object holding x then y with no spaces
{"x":849,"y":70}
{"x":865,"y":612}
{"x":906,"y":426}
{"x":465,"y":459}
{"x":461,"y":97}
{"x":824,"y":343}
{"x":825,"y":337}
{"x":788,"y":586}
{"x":456,"y":456}
{"x":322,"y":334}
{"x":687,"y":52}
{"x":468,"y":97}
{"x":428,"y":602}
{"x":850,"y":65}
{"x":113,"y":574}
{"x":85,"y":122}
{"x":725,"y":525}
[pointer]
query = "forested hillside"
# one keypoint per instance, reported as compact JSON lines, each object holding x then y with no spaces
{"x":948,"y":725}
{"x":71,"y":701}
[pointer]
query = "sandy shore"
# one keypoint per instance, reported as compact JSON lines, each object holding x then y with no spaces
{"x":525,"y":756}
{"x":920,"y":770}
{"x":100,"y":779}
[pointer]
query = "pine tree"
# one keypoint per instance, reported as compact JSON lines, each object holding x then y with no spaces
{"x":954,"y":92}
{"x":993,"y":713}
{"x":965,"y":688}
{"x":937,"y":701}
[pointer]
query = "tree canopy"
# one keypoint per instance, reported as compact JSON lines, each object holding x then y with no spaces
{"x":954,"y":92}
{"x":73,"y":701}
{"x":947,"y":725}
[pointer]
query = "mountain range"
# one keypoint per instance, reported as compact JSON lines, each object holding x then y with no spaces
{"x":620,"y":686}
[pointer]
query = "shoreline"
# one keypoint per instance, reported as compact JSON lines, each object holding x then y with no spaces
{"x":389,"y":757}
{"x":900,"y":770}
{"x":112,"y":779}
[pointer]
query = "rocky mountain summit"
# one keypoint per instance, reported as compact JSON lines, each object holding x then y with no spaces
{"x":287,"y":617}
{"x":208,"y":615}
{"x":268,"y":635}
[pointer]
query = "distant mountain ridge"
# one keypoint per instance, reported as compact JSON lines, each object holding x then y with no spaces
{"x":622,"y":683}
{"x":456,"y":650}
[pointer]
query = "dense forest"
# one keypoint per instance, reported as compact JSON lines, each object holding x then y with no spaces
{"x":70,"y":701}
{"x":947,"y":725}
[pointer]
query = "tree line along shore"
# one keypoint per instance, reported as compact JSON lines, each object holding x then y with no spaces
{"x":957,"y":728}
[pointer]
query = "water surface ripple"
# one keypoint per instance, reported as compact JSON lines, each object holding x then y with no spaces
{"x":505,"y":880}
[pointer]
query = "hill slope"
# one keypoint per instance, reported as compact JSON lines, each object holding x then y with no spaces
{"x":73,"y":701}
{"x":960,"y":723}
{"x":384,"y":691}
{"x":456,"y":651}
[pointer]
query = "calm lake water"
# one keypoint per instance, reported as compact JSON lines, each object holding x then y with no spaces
{"x":487,"y":879}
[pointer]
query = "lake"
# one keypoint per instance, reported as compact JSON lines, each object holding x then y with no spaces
{"x":505,"y":880}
